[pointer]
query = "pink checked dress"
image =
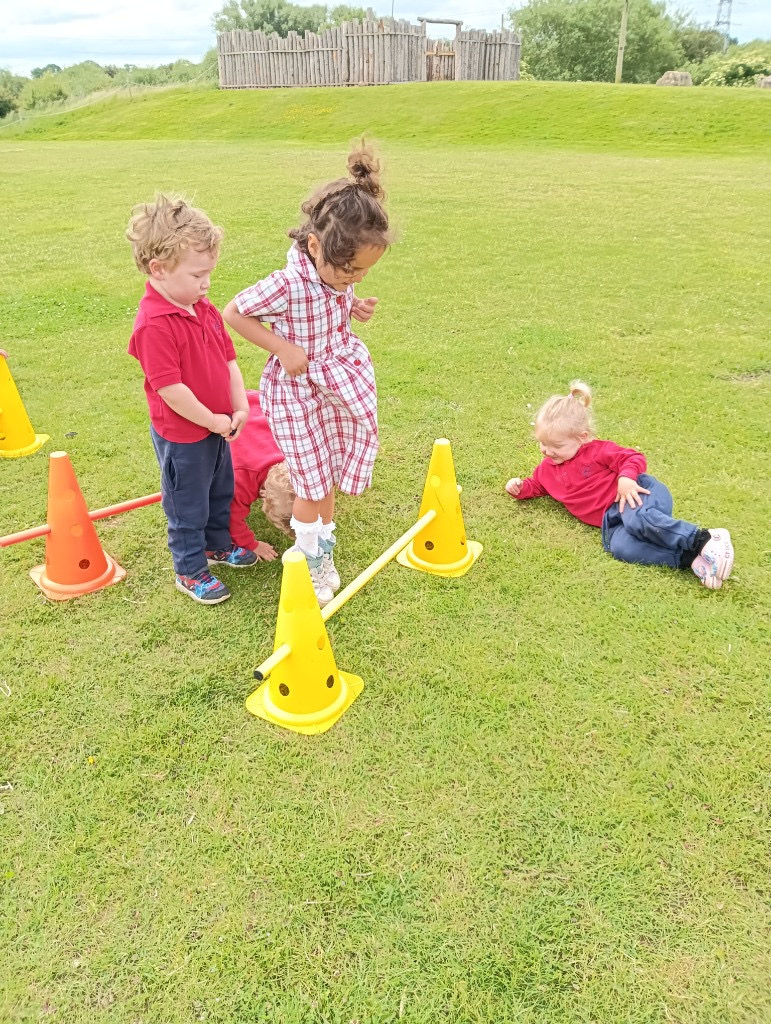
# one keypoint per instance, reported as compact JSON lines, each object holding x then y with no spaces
{"x":324,"y":420}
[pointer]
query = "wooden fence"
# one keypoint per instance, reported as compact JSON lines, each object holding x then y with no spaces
{"x":487,"y":56}
{"x":370,"y":52}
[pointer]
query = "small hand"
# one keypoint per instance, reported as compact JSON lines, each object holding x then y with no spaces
{"x":514,"y":486}
{"x":3,"y":353}
{"x":221,"y":424}
{"x":293,"y":359}
{"x":264,"y":552}
{"x":629,"y":492}
{"x":362,"y":309}
{"x":237,"y":423}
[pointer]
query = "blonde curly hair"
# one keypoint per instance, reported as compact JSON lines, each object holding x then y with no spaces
{"x":167,"y":228}
{"x":566,"y":415}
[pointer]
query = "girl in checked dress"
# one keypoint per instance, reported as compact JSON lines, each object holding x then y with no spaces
{"x":318,"y":386}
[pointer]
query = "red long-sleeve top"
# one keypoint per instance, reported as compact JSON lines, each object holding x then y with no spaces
{"x":254,"y":452}
{"x":586,"y":484}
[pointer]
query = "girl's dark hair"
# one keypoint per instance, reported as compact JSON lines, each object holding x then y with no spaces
{"x":347,"y":214}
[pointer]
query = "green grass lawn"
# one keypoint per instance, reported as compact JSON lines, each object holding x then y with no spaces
{"x":548,"y":804}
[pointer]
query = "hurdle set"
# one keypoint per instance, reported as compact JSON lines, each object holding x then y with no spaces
{"x":301,"y":687}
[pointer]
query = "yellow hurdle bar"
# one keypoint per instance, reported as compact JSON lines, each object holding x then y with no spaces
{"x":364,"y":577}
{"x":353,"y":587}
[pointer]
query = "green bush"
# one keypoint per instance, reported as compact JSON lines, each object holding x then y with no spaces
{"x":10,"y":89}
{"x":40,"y":92}
{"x":81,"y":79}
{"x":738,"y":66}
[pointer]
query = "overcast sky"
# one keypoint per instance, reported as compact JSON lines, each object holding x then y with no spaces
{"x":40,"y":32}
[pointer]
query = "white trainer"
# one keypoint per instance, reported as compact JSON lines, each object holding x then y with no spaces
{"x":318,"y":576}
{"x":331,"y":574}
{"x":319,"y":579}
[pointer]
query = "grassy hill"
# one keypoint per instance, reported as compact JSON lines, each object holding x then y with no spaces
{"x":588,"y":116}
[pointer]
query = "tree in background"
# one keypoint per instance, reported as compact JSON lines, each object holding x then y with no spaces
{"x":699,"y":41}
{"x":10,"y":89}
{"x":281,"y":17}
{"x":49,"y":69}
{"x":577,"y":40}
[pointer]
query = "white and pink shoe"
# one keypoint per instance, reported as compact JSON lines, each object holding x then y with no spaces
{"x":716,"y":560}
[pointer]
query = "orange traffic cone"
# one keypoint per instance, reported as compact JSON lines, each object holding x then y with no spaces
{"x":17,"y":437}
{"x":305,"y":692}
{"x":441,"y":548}
{"x":75,"y":562}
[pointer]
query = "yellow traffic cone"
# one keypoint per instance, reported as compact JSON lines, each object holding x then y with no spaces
{"x":17,"y":437}
{"x":305,"y":692}
{"x":441,"y":548}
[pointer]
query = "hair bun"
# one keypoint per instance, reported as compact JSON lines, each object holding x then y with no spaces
{"x":581,"y":392}
{"x":364,"y":169}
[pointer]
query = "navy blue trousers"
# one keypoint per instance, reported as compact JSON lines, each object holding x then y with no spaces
{"x":196,"y":492}
{"x":647,"y":534}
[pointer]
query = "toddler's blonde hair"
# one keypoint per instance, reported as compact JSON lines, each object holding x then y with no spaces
{"x":278,"y":497}
{"x":168,"y":227}
{"x":566,"y":415}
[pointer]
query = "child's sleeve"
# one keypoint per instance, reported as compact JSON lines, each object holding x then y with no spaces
{"x":267,"y":300}
{"x":158,"y":354}
{"x":244,"y":494}
{"x":621,"y":461}
{"x":532,"y":486}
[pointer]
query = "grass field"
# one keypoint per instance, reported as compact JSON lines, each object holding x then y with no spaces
{"x":548,"y":805}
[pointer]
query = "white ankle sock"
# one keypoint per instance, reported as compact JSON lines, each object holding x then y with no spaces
{"x":327,"y":531}
{"x":307,"y":535}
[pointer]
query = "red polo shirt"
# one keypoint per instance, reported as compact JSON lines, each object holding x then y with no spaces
{"x":175,"y":347}
{"x":586,"y":484}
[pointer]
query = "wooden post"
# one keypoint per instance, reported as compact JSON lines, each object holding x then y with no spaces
{"x":622,"y":42}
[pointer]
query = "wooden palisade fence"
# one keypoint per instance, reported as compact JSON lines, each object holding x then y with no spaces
{"x":371,"y":52}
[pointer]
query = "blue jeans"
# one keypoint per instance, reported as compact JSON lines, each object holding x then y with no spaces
{"x":647,"y":534}
{"x":196,"y":492}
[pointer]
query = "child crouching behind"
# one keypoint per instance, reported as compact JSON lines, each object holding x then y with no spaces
{"x":260,"y":472}
{"x":605,"y":485}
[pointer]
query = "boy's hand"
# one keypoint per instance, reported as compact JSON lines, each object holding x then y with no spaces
{"x":3,"y":353}
{"x":293,"y":359}
{"x":362,"y":309}
{"x":220,"y":424}
{"x":629,"y":492}
{"x":237,"y":422}
{"x":264,"y":552}
{"x":514,"y":486}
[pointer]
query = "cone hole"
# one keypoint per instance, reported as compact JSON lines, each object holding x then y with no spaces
{"x":429,"y":545}
{"x":283,"y":690}
{"x":330,"y":681}
{"x":321,"y":641}
{"x":84,"y":563}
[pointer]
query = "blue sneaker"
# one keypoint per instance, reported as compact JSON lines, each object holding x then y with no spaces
{"x":203,"y":587}
{"x":236,"y":556}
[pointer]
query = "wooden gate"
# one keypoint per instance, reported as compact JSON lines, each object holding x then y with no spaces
{"x":440,"y":61}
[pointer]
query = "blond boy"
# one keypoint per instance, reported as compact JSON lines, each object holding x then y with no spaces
{"x":194,"y":389}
